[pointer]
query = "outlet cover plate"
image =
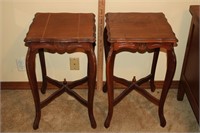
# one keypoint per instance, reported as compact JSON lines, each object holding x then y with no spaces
{"x":21,"y":64}
{"x":74,"y":63}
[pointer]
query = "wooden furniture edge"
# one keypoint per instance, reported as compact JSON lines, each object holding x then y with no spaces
{"x":24,"y":85}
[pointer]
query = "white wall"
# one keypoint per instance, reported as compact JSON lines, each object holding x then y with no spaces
{"x":18,"y":14}
{"x":1,"y":39}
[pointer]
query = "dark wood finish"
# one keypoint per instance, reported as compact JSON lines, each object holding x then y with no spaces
{"x":138,"y":32}
{"x":189,"y":81}
{"x":23,"y":85}
{"x":61,"y":33}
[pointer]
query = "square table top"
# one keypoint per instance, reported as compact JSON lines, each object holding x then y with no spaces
{"x":62,"y":27}
{"x":139,"y":28}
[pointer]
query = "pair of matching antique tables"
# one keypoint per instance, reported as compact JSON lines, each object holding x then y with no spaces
{"x":75,"y":32}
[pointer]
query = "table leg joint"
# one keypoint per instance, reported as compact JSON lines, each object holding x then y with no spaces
{"x":136,"y":86}
{"x":64,"y":88}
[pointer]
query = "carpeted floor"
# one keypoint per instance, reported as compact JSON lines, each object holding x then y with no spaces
{"x":65,"y":114}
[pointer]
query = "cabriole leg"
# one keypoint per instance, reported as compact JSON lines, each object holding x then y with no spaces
{"x":43,"y":68}
{"x":110,"y":80}
{"x":91,"y":86}
{"x":30,"y":67}
{"x":171,"y":66}
{"x":153,"y":68}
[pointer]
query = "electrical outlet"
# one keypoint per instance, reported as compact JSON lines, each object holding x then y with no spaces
{"x":74,"y":63}
{"x":21,"y":64}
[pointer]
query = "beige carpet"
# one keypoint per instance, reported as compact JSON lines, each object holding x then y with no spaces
{"x":133,"y":114}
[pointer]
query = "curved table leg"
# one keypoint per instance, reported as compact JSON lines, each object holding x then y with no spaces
{"x":106,"y":49}
{"x":44,"y":73}
{"x":153,"y":69}
{"x":30,"y":67}
{"x":91,"y":85}
{"x":171,"y":66}
{"x":110,"y":79}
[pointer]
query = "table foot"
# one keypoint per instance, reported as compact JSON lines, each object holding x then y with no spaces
{"x":107,"y":122}
{"x":161,"y":116}
{"x":90,"y":107}
{"x":43,"y":88}
{"x":92,"y":121}
{"x":35,"y":126}
{"x":36,"y":121}
{"x":162,"y":121}
{"x":105,"y":87}
{"x":109,"y":117}
{"x":152,"y":85}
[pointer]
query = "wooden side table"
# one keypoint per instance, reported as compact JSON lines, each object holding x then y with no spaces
{"x":138,"y":32}
{"x":61,"y":33}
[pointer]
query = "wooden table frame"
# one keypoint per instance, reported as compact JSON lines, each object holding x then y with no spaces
{"x":54,"y":43}
{"x":113,"y":47}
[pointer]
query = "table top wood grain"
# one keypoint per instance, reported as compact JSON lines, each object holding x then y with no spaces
{"x":139,"y":27}
{"x":62,"y":27}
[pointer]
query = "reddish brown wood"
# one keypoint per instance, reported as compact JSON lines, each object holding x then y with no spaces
{"x":189,"y":81}
{"x":138,"y":32}
{"x":44,"y":73}
{"x":153,"y":69}
{"x":61,"y":33}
